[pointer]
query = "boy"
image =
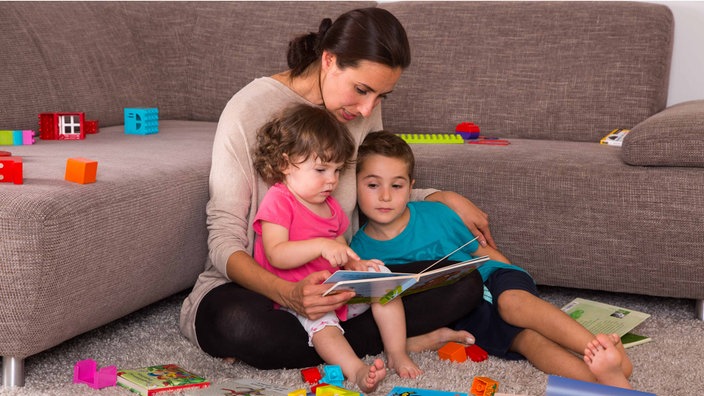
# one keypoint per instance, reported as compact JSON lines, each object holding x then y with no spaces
{"x":512,"y":322}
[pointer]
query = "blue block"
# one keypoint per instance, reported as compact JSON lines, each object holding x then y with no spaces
{"x":141,"y":121}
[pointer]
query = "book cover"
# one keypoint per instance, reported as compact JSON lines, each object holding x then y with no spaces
{"x":403,"y":391}
{"x":631,"y":339}
{"x":560,"y":386}
{"x":383,"y":287}
{"x":151,"y":380}
{"x":604,"y":318}
{"x":240,"y":387}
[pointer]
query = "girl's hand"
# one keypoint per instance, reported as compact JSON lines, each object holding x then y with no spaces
{"x":306,"y":297}
{"x":338,"y":254}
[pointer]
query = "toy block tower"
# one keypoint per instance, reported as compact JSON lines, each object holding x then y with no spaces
{"x":62,"y":126}
{"x":11,"y":170}
{"x":81,"y":170}
{"x":141,"y":121}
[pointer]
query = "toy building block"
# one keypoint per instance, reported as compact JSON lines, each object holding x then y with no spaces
{"x":484,"y":386}
{"x":91,"y":126}
{"x":16,"y":138}
{"x":453,"y":351}
{"x":467,"y":130}
{"x":5,"y":154}
{"x":62,"y":126}
{"x":11,"y":170}
{"x":85,"y":372}
{"x":298,"y":392}
{"x":476,"y":353}
{"x":431,"y":138}
{"x":332,"y":374}
{"x":141,"y":121}
{"x":332,"y":390}
{"x":311,"y":375}
{"x":81,"y":170}
{"x":7,"y":138}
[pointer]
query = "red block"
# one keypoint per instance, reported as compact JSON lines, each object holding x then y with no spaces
{"x":11,"y":170}
{"x":476,"y":353}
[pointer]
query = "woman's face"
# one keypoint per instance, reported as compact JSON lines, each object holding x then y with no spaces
{"x":355,"y":91}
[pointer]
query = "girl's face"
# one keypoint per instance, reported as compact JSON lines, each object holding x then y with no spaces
{"x":312,"y":180}
{"x":383,"y":190}
{"x":355,"y":91}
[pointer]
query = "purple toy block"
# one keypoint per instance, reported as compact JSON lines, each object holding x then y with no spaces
{"x":84,"y":372}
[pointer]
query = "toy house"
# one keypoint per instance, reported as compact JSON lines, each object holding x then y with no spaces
{"x":65,"y":126}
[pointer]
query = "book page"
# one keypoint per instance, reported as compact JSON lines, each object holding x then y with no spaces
{"x":604,"y":318}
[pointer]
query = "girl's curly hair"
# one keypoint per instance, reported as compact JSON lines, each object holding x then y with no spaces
{"x":299,"y":132}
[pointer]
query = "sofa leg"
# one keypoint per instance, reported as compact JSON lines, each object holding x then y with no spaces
{"x":700,"y":309}
{"x":12,"y":371}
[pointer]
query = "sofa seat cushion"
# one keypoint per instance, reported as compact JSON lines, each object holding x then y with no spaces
{"x":136,"y":235}
{"x":574,"y":214}
{"x":673,"y":137}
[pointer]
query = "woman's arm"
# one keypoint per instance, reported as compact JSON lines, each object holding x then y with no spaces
{"x":474,"y":218}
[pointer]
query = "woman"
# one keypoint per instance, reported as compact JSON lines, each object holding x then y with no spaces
{"x":348,"y":67}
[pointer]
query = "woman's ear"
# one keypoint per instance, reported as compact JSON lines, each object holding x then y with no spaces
{"x":328,"y":60}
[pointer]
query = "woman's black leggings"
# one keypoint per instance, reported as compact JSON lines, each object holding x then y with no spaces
{"x":236,"y":322}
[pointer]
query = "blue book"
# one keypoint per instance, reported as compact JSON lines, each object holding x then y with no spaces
{"x":560,"y":386}
{"x":402,"y":391}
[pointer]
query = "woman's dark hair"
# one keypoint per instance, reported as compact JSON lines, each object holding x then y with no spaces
{"x":299,"y":132}
{"x":371,"y":34}
{"x":388,"y":145}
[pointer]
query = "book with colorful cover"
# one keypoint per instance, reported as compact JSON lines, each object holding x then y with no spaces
{"x":561,"y":386}
{"x":240,"y":387}
{"x":604,"y":318}
{"x":383,"y":287}
{"x":151,"y":380}
{"x":403,"y":391}
{"x":615,"y":137}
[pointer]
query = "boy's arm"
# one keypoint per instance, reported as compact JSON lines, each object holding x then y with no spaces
{"x":283,"y":253}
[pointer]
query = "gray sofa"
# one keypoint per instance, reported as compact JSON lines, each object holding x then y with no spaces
{"x":552,"y":77}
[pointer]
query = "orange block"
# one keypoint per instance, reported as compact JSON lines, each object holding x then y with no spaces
{"x":484,"y":386}
{"x":453,"y":351}
{"x":81,"y":170}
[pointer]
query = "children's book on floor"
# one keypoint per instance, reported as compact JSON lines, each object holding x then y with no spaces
{"x":403,"y":391}
{"x":240,"y":387}
{"x":383,"y":287}
{"x":151,"y":380}
{"x":599,"y":317}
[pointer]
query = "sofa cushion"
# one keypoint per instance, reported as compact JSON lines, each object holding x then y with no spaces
{"x":673,"y":137}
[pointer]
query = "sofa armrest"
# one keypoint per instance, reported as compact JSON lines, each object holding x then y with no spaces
{"x":672,"y":137}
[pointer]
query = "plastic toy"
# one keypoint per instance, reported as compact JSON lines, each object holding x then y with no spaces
{"x":85,"y":372}
{"x":467,"y":130}
{"x":432,"y":138}
{"x":484,"y":386}
{"x":453,"y":351}
{"x":5,"y":154}
{"x":65,"y":126}
{"x":298,"y":392}
{"x":11,"y":170}
{"x":81,"y":170}
{"x":311,"y":375}
{"x":332,"y":390}
{"x":332,"y":374}
{"x":489,"y":141}
{"x":141,"y":121}
{"x":16,"y":137}
{"x":91,"y":126}
{"x":476,"y":353}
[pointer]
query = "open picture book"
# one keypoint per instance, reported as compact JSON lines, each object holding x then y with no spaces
{"x":383,"y":287}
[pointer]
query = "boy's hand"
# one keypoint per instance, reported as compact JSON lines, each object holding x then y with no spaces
{"x":364,"y":265}
{"x":338,"y":254}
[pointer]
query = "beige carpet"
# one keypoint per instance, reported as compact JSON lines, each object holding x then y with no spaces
{"x":671,"y":365}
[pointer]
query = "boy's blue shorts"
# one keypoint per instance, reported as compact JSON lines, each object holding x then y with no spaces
{"x":490,"y":331}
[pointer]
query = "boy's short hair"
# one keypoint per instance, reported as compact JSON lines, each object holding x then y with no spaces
{"x":386,"y":144}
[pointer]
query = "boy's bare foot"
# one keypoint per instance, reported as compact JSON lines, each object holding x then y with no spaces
{"x":604,"y":360}
{"x":369,"y":377}
{"x":229,"y":360}
{"x":403,"y":364}
{"x":437,"y":338}
{"x":626,"y":364}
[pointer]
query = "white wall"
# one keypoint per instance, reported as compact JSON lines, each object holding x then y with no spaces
{"x":687,"y":71}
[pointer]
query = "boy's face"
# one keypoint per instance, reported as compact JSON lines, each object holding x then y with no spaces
{"x":383,"y":189}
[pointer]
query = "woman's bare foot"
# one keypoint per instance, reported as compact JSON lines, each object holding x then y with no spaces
{"x":437,"y":338}
{"x":369,"y":377}
{"x":604,"y":360}
{"x":404,"y":366}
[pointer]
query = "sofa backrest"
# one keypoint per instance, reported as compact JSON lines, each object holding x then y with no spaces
{"x":552,"y":70}
{"x":546,"y":70}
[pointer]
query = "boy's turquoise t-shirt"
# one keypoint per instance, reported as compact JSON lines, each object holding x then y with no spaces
{"x":433,"y":231}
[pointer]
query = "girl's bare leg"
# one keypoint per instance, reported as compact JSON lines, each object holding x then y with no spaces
{"x":333,"y":347}
{"x":391,"y":320}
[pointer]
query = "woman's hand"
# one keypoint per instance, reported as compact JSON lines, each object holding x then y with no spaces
{"x":474,"y":218}
{"x":306,"y":296}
